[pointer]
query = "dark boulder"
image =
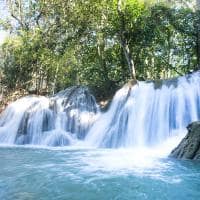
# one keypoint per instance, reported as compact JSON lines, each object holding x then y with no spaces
{"x":189,"y":147}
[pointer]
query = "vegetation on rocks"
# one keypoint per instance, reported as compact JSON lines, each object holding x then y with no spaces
{"x":100,"y":44}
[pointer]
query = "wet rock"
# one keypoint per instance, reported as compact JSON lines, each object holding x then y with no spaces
{"x":80,"y":107}
{"x":189,"y":147}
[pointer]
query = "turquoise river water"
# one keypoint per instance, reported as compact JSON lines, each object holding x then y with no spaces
{"x":28,"y":173}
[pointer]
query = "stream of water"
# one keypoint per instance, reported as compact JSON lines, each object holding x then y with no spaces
{"x":63,"y":147}
{"x":95,"y":174}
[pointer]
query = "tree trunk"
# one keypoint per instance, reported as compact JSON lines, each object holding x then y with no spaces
{"x":55,"y":79}
{"x":124,"y":42}
{"x":101,"y":49}
{"x":16,"y":12}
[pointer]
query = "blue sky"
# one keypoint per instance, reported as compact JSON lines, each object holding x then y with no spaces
{"x":3,"y":14}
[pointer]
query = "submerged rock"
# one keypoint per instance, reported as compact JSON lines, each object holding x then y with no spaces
{"x":189,"y":147}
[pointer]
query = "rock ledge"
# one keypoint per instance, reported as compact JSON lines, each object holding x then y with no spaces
{"x":189,"y":147}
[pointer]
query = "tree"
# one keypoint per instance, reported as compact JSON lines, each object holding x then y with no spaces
{"x":124,"y":40}
{"x":198,"y":31}
{"x":109,"y":43}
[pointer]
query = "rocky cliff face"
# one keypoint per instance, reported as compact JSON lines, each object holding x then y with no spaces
{"x":189,"y":148}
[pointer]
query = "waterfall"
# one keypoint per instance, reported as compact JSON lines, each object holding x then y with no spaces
{"x":148,"y":113}
{"x":56,"y":121}
{"x":145,"y":114}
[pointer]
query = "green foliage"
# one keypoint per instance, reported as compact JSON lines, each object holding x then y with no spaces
{"x":56,"y":43}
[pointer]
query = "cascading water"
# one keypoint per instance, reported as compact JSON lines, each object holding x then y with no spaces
{"x":56,"y":121}
{"x":142,"y":115}
{"x":148,"y":113}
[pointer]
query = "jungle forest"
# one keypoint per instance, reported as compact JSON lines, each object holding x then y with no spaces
{"x":102,"y":44}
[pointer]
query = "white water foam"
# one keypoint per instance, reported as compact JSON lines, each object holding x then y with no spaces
{"x":143,"y":116}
